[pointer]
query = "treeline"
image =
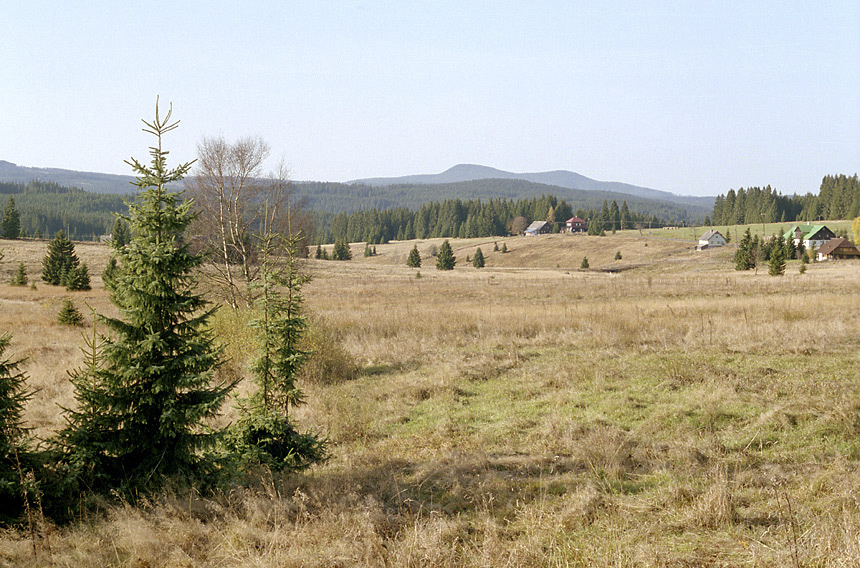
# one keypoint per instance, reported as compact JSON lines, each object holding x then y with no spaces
{"x":334,"y":198}
{"x":46,"y":207}
{"x":455,"y":218}
{"x":838,"y":198}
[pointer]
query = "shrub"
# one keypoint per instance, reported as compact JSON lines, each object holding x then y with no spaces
{"x":328,"y":362}
{"x":584,"y":264}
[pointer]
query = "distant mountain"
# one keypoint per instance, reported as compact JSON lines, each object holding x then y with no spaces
{"x":560,"y":178}
{"x":88,"y":181}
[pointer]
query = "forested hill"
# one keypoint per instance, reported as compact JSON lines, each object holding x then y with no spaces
{"x":331,"y":197}
{"x":556,"y":178}
{"x":339,"y":197}
{"x":46,"y":208}
{"x":88,"y":181}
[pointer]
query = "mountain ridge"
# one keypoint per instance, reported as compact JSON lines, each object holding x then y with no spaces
{"x":560,"y":178}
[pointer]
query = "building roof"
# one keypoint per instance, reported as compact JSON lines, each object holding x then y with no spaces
{"x":575,"y":220}
{"x":833,"y":244}
{"x":710,"y":233}
{"x":808,"y":231}
{"x":536,"y":226}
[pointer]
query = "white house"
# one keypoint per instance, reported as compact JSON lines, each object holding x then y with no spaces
{"x":711,"y":239}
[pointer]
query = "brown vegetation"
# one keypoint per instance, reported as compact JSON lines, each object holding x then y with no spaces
{"x":678,"y":413}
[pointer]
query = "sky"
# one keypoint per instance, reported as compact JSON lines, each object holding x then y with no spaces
{"x":695,"y":98}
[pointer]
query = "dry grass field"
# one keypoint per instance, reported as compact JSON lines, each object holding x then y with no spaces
{"x":658,"y":410}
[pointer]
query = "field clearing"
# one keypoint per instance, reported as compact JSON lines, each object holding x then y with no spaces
{"x":674,"y":412}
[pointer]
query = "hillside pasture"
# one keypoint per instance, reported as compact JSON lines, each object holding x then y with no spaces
{"x":673,"y":413}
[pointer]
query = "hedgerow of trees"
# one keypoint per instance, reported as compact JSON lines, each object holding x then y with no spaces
{"x":455,"y":218}
{"x":838,"y":198}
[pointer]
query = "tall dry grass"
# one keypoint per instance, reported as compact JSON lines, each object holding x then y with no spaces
{"x":675,"y":414}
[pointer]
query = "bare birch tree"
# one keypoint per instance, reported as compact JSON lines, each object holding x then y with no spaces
{"x":234,"y":198}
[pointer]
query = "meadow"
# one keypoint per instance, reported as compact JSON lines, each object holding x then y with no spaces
{"x":658,"y":410}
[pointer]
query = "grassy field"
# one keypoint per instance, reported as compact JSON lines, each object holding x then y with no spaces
{"x":658,"y":410}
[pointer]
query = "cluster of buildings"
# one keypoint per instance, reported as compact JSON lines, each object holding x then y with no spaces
{"x":814,"y":237}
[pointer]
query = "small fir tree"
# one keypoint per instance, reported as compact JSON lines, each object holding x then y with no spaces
{"x":14,"y":447}
{"x":341,"y":251}
{"x":60,"y":260}
{"x":495,"y":246}
{"x":144,"y":399}
{"x":776,"y":262}
{"x":20,"y":278}
{"x":78,"y":278}
{"x":10,"y":225}
{"x":618,"y":255}
{"x":478,"y":260}
{"x":120,"y":235}
{"x":504,"y":248}
{"x":264,"y":434}
{"x":584,"y":264}
{"x":368,"y":252}
{"x":802,"y":268}
{"x":445,"y":259}
{"x":745,"y":255}
{"x":69,"y":314}
{"x":414,"y":259}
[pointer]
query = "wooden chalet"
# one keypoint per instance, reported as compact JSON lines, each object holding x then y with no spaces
{"x":711,"y":239}
{"x":538,"y":228}
{"x":575,"y":225}
{"x":838,"y":248}
{"x":810,"y":235}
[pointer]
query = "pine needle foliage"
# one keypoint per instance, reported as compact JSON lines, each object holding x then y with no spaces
{"x":584,"y":264}
{"x":144,"y":398}
{"x":13,"y":444}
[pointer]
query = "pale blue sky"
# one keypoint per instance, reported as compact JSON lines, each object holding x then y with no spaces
{"x":689,"y":97}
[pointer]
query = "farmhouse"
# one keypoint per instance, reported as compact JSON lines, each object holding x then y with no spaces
{"x":810,"y":235}
{"x":538,"y":228}
{"x":838,"y":248}
{"x":575,"y":225}
{"x":711,"y":239}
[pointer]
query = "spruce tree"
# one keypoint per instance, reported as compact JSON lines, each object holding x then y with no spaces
{"x":14,"y":454}
{"x":584,"y":264}
{"x":445,"y":259}
{"x":119,"y":234}
{"x":143,"y":400}
{"x":478,"y":260}
{"x":341,"y":251}
{"x":20,"y":278}
{"x":504,"y":248}
{"x":78,"y":278}
{"x":69,"y":314}
{"x":10,"y":225}
{"x":618,"y":255}
{"x":414,"y":259}
{"x":264,"y":434}
{"x":776,"y":262}
{"x":59,"y":261}
{"x":745,"y":254}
